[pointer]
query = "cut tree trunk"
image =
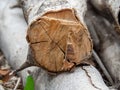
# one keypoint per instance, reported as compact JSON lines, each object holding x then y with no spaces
{"x":12,"y":35}
{"x":15,"y":47}
{"x":56,"y":35}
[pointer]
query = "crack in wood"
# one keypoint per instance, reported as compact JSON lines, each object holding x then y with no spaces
{"x":91,"y":79}
{"x":38,"y":42}
{"x":52,"y":40}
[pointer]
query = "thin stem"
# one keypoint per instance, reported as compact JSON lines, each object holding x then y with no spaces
{"x":98,"y":60}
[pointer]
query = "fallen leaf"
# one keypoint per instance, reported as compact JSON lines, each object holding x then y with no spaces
{"x":4,"y":71}
{"x":29,"y":83}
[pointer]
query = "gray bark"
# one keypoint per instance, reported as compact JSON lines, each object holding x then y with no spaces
{"x":33,"y":10}
{"x":109,"y":9}
{"x":105,"y":38}
{"x":13,"y":44}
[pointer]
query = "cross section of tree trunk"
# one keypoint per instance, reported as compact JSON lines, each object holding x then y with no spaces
{"x":14,"y":46}
{"x":57,"y":38}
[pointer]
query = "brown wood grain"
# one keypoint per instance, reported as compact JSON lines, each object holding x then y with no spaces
{"x":59,"y":41}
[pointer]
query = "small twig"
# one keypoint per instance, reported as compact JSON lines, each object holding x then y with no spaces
{"x":98,"y":60}
{"x":18,"y":81}
{"x":11,"y":73}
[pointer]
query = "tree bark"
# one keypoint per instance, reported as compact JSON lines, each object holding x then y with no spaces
{"x":107,"y":42}
{"x":109,"y":9}
{"x":15,"y":48}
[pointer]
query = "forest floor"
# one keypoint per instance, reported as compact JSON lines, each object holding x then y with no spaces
{"x":14,"y":83}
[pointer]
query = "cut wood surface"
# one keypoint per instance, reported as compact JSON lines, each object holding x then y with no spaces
{"x":59,"y":39}
{"x":85,"y":78}
{"x":56,"y":36}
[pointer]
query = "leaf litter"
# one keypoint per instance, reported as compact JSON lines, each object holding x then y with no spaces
{"x":8,"y":82}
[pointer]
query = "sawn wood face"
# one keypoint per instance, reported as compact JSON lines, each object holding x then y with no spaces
{"x":59,"y":41}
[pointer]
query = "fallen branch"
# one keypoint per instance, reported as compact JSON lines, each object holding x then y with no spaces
{"x":18,"y":82}
{"x":99,"y":61}
{"x":108,"y":47}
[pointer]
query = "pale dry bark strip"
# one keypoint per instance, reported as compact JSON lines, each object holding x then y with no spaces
{"x":18,"y":82}
{"x":99,"y":61}
{"x":109,"y":9}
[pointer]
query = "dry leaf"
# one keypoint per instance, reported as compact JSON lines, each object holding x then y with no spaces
{"x":4,"y":71}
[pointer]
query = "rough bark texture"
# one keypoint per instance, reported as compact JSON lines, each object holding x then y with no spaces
{"x":106,"y":41}
{"x":14,"y":46}
{"x":33,"y":9}
{"x":86,"y":78}
{"x":109,"y":9}
{"x":115,"y":7}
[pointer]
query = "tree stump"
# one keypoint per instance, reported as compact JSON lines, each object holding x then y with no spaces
{"x":86,"y":77}
{"x":59,"y":41}
{"x":57,"y":38}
